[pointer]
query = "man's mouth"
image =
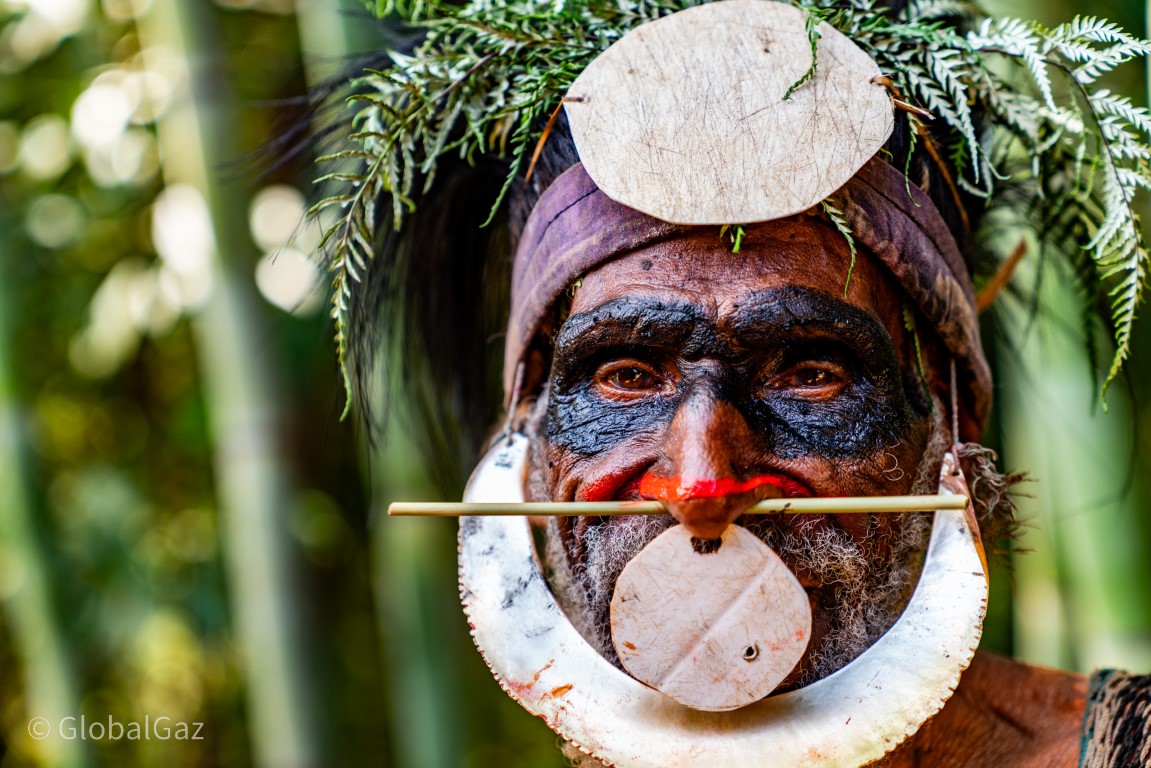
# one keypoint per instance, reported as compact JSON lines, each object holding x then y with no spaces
{"x":633,"y":486}
{"x":683,"y":489}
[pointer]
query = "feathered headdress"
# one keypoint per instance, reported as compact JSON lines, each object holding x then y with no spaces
{"x":1002,"y":114}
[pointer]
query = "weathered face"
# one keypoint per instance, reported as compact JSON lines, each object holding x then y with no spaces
{"x":711,"y":380}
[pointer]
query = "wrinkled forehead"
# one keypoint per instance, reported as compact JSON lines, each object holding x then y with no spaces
{"x":727,"y":291}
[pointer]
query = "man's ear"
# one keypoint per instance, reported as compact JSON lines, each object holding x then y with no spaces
{"x":530,"y":420}
{"x":529,"y":413}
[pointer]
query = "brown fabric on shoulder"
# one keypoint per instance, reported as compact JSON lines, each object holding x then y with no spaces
{"x":1004,"y":714}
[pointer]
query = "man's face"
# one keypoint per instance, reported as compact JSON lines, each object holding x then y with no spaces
{"x":711,"y":380}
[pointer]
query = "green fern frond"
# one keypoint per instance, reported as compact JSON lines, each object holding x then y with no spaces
{"x":487,"y":75}
{"x":911,"y":327}
{"x":1013,"y":37}
{"x":811,"y":27}
{"x":837,"y":217}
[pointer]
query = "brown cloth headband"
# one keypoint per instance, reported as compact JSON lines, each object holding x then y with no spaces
{"x":575,"y":228}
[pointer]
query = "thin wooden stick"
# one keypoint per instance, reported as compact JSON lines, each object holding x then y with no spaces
{"x":542,"y":140}
{"x":1001,"y":278}
{"x":802,"y":506}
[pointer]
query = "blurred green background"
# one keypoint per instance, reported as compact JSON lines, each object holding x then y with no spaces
{"x":187,"y":529}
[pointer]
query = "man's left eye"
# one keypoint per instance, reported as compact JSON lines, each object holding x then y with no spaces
{"x":813,"y":377}
{"x":813,"y":380}
{"x":632,"y":378}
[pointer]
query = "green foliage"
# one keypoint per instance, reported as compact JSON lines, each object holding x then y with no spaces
{"x":837,"y":218}
{"x":121,"y":474}
{"x":482,"y":81}
{"x":734,"y":233}
{"x":910,"y":326}
{"x":811,"y":27}
{"x":1079,"y":154}
{"x":486,"y":76}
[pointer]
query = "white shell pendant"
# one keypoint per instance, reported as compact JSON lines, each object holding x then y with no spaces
{"x":714,"y":631}
{"x":850,"y":718}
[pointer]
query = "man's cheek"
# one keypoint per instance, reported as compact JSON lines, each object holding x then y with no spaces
{"x":584,"y":424}
{"x":602,"y":476}
{"x":888,"y":471}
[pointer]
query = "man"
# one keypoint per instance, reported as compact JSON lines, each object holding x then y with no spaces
{"x":661,"y":347}
{"x":743,"y":371}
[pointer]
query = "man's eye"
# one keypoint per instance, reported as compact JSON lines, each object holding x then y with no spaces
{"x":819,"y":381}
{"x":632,"y":378}
{"x":629,"y":379}
{"x":813,"y":377}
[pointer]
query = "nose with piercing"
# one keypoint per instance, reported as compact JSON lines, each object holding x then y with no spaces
{"x":707,"y":506}
{"x":704,"y":491}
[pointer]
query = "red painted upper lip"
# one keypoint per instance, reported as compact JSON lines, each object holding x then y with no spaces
{"x":683,"y":489}
{"x":632,"y":485}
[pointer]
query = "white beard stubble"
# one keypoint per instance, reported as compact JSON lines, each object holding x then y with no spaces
{"x":862,"y":595}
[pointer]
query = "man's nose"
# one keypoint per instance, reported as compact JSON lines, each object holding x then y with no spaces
{"x":702,"y":486}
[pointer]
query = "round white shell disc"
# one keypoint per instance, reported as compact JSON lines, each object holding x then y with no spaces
{"x":713,"y":631}
{"x":684,"y":118}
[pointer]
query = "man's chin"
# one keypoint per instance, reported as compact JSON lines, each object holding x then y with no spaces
{"x":854,"y":598}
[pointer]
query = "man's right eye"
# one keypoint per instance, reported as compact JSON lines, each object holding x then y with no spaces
{"x":629,"y":379}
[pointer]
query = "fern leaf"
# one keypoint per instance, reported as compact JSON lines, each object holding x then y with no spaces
{"x":837,"y":217}
{"x":1016,"y":38}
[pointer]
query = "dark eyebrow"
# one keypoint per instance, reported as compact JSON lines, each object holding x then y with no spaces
{"x":767,"y":319}
{"x":633,"y":321}
{"x":794,"y":311}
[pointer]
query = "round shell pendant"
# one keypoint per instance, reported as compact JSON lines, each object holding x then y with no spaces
{"x":714,"y":630}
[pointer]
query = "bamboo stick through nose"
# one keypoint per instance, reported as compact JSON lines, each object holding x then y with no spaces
{"x":798,"y":506}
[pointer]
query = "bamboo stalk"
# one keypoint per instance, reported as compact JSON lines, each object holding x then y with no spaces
{"x":435,"y":720}
{"x":1080,"y":570}
{"x":801,"y":506}
{"x":198,"y":136}
{"x":32,"y":611}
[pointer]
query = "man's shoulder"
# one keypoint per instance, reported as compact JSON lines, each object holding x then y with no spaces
{"x":1007,"y":714}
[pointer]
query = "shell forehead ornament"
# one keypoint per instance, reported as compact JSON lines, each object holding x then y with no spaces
{"x":693,"y":118}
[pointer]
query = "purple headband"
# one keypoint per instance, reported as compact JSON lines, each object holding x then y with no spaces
{"x":575,"y":228}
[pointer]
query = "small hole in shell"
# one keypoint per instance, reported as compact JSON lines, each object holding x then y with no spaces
{"x":751,"y":652}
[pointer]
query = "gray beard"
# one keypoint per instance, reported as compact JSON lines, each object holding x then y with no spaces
{"x":861,"y":595}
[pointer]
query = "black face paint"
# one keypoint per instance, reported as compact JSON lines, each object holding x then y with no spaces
{"x":871,"y":413}
{"x":580,"y":420}
{"x":773,"y":331}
